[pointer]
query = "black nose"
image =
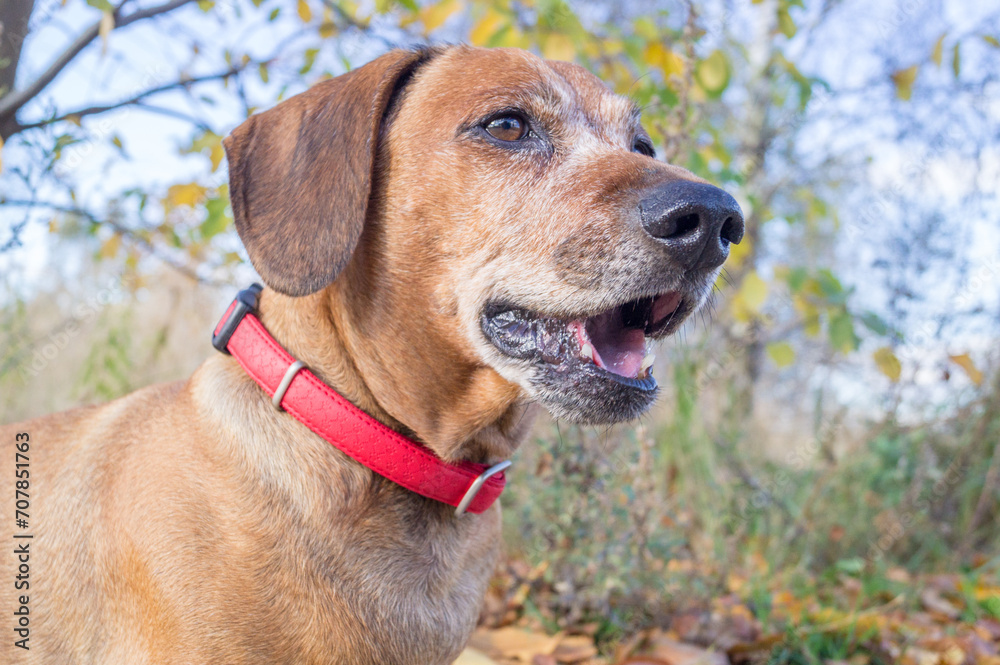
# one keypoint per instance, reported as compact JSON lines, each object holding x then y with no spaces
{"x":694,"y":220}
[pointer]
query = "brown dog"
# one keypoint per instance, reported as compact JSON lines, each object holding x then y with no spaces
{"x":449,"y":236}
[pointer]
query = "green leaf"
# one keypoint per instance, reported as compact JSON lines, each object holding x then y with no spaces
{"x":217,"y":219}
{"x":992,"y":606}
{"x":646,"y":29}
{"x":841,"y":331}
{"x":274,"y":14}
{"x":875,"y":323}
{"x":785,"y":23}
{"x":992,"y":41}
{"x":853,"y":566}
{"x":262,"y":68}
{"x":956,"y":60}
{"x":667,"y":97}
{"x":103,"y":5}
{"x":829,"y":284}
{"x":796,"y":279}
{"x":411,"y":5}
{"x":781,"y":353}
{"x":309,"y":60}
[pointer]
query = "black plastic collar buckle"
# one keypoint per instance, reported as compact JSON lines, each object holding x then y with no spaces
{"x":246,"y":301}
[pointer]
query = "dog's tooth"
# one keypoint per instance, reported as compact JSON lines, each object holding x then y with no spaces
{"x":587,"y":351}
{"x":647,"y":362}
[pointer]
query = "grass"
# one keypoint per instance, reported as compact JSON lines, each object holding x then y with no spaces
{"x":635,"y":524}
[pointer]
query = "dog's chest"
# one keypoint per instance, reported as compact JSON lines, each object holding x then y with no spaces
{"x":405,"y":593}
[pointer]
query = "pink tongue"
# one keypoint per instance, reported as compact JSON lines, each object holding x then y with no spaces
{"x":619,"y":350}
{"x":623,"y":353}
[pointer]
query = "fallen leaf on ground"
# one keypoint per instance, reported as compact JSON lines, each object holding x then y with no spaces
{"x":675,"y":653}
{"x":472,"y":657}
{"x":515,"y":643}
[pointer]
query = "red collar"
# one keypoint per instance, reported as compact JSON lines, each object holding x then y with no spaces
{"x":468,"y":486}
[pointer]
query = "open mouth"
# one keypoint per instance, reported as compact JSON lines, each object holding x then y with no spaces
{"x":609,"y":345}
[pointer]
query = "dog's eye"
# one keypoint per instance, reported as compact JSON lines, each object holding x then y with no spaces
{"x":507,"y":128}
{"x":643,"y":147}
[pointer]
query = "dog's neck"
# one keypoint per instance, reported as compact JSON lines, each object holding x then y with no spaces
{"x":482,"y":420}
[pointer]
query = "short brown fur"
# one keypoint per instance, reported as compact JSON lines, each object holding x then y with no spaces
{"x":192,"y":523}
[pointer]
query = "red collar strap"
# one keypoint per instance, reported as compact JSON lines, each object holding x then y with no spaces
{"x":293,"y":388}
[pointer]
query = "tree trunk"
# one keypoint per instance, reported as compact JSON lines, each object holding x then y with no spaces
{"x":14,"y":15}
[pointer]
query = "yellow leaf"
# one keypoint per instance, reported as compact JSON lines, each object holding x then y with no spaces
{"x":669,"y":62}
{"x":190,"y":194}
{"x":992,"y":41}
{"x":746,"y":304}
{"x":713,"y":72}
{"x":811,"y":325}
{"x":645,"y":27}
{"x":354,"y":11}
{"x":781,"y":353}
{"x":511,"y":37}
{"x":327,"y":28}
{"x":559,"y":47}
{"x":753,"y":291}
{"x":110,"y":247}
{"x":785,"y":23}
{"x":434,"y":15}
{"x":904,"y":80}
{"x":888,"y":363}
{"x":216,"y":155}
{"x":985,"y":591}
{"x":305,"y":11}
{"x":104,"y":29}
{"x":938,"y":50}
{"x":487,"y":27}
{"x":965,"y":362}
{"x":738,"y":253}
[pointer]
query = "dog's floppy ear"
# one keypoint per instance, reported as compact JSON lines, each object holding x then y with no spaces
{"x":300,"y":174}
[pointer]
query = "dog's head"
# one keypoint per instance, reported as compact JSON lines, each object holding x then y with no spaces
{"x":494,"y":226}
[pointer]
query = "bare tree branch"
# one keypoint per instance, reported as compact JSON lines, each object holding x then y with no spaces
{"x":137,"y":99}
{"x":118,"y":228}
{"x":13,"y":101}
